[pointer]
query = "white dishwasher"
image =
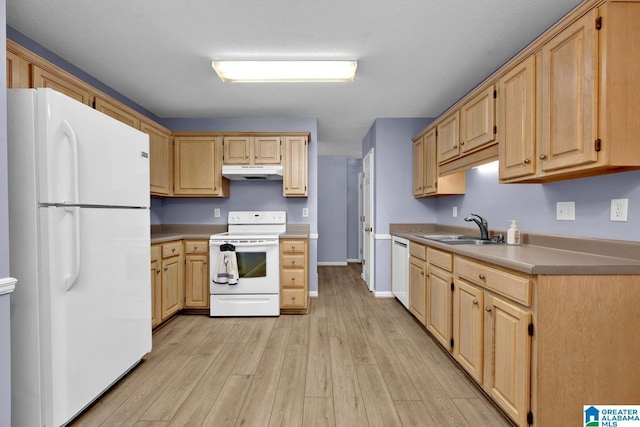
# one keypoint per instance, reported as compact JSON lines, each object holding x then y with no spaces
{"x":400,"y":269}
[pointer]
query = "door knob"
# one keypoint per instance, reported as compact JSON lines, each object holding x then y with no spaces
{"x":368,"y":229}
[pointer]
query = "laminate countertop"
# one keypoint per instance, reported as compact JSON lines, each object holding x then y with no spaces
{"x":541,"y":254}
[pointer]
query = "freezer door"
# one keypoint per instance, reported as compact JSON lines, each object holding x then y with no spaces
{"x":99,"y":326}
{"x":86,"y":157}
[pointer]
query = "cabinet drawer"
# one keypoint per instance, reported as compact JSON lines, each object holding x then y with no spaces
{"x":155,"y":252}
{"x":292,"y":261}
{"x":296,"y":246}
{"x":196,"y":246}
{"x":442,"y":259}
{"x":417,"y":250}
{"x":293,"y":298}
{"x":510,"y":285}
{"x":171,"y":249}
{"x":292,"y":277}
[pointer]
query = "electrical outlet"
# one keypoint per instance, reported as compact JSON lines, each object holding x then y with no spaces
{"x":566,"y":211}
{"x":455,"y":212}
{"x":619,"y":209}
{"x":305,"y":212}
{"x":216,"y":212}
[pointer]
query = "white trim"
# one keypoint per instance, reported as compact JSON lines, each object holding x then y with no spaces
{"x":337,"y":264}
{"x":356,"y":260}
{"x":313,"y":236}
{"x":7,"y":285}
{"x":382,"y":236}
{"x":385,"y":294}
{"x":313,"y":294}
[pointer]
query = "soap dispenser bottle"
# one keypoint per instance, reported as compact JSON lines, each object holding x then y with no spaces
{"x":513,"y":234}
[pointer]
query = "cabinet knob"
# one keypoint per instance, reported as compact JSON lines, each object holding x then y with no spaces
{"x":293,"y":279}
{"x":173,"y":249}
{"x":487,"y":309}
{"x":293,"y":247}
{"x":526,"y":161}
{"x":157,"y":271}
{"x":293,"y":261}
{"x":205,"y":262}
{"x":481,"y":276}
{"x":166,"y":268}
{"x":455,"y":146}
{"x":475,"y":302}
{"x":461,"y":142}
{"x":422,"y":272}
{"x":542,"y":156}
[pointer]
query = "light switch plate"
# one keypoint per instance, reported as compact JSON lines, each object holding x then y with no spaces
{"x":619,"y":209}
{"x":216,"y":212}
{"x":305,"y":212}
{"x":566,"y":211}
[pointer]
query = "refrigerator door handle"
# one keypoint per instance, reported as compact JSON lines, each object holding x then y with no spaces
{"x":71,"y":136}
{"x":71,"y":280}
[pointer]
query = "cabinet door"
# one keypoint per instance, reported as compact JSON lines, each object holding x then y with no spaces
{"x":156,"y":293}
{"x":160,"y":158}
{"x":439,"y":305}
{"x":418,"y":167}
{"x":197,"y":281}
{"x":417,"y":288}
{"x":237,"y":150}
{"x":569,"y":103}
{"x":468,"y":338}
{"x":171,"y":282}
{"x":118,"y":112}
{"x":43,"y":78}
{"x":516,"y":120}
{"x":266,"y":150}
{"x":507,"y":357}
{"x":295,"y":166}
{"x":477,"y":121}
{"x":449,"y":138}
{"x":197,"y":167}
{"x":431,"y":163}
{"x":17,"y":72}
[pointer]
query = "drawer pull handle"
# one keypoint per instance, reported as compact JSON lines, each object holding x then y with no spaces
{"x":475,"y":302}
{"x":293,"y":247}
{"x":293,"y":261}
{"x":173,"y":249}
{"x":488,"y":309}
{"x":481,"y":276}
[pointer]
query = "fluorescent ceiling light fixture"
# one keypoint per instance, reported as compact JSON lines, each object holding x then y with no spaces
{"x":285,"y":71}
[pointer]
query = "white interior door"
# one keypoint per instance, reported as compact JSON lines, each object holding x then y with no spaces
{"x":360,"y":216}
{"x":368,"y":240}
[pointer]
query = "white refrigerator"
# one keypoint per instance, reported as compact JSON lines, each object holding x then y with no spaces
{"x":79,"y":247}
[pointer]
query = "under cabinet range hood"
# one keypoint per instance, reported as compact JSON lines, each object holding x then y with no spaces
{"x":252,"y":173}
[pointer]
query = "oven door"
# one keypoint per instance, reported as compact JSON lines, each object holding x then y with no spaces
{"x":258,"y":266}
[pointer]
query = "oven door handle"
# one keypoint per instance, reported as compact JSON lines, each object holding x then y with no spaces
{"x":246,"y":244}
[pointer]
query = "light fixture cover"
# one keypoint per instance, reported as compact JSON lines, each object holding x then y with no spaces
{"x":285,"y":71}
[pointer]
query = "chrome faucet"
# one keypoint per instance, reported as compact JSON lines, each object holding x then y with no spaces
{"x":482,"y":223}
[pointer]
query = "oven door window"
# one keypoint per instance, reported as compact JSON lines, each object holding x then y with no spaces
{"x":252,"y":264}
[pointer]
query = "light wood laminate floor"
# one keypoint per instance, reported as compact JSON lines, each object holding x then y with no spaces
{"x":354,"y":360}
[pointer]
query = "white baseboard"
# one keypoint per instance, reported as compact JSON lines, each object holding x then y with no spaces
{"x":385,"y":294}
{"x":313,"y":294}
{"x":353,"y":260}
{"x":335,"y":264}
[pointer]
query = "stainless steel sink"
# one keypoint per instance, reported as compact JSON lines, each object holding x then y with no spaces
{"x":456,"y":239}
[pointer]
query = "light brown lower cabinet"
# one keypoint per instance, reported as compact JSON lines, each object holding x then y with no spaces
{"x":294,"y":283}
{"x":172,"y":279}
{"x":196,"y":279}
{"x":156,"y":285}
{"x":418,"y":281}
{"x":439,"y":295}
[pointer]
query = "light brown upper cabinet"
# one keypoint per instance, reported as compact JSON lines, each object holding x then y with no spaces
{"x":586,"y":120}
{"x":477,"y":121}
{"x":448,"y":136}
{"x":426,"y":181}
{"x":71,"y":87}
{"x":515,"y":107}
{"x":17,"y":71}
{"x":251,"y":150}
{"x":295,"y":166}
{"x":198,"y":167}
{"x":160,"y":158}
{"x":116,"y":110}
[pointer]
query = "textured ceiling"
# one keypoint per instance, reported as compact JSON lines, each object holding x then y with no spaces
{"x":416,"y":57}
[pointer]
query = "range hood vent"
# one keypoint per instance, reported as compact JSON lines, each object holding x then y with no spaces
{"x":253,"y":173}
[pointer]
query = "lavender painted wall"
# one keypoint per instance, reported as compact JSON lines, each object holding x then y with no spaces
{"x":393,"y":184}
{"x":354,"y":167}
{"x":534,"y":205}
{"x":332,"y":209}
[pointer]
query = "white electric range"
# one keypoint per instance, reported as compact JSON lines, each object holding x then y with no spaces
{"x":254,"y":237}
